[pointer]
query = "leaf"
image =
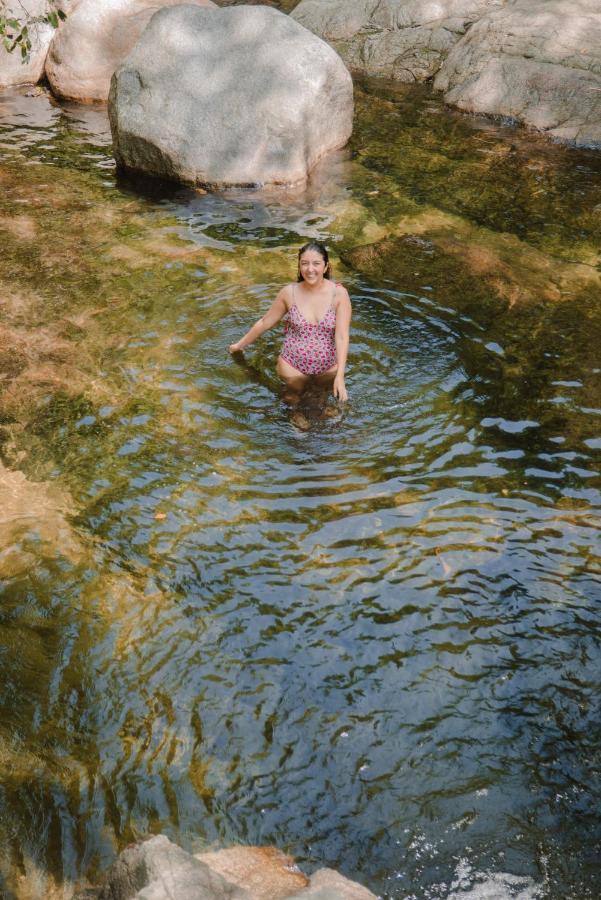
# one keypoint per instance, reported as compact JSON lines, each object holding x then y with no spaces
{"x":53,"y":19}
{"x":61,"y":14}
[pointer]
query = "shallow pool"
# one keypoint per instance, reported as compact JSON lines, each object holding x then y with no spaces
{"x":374,"y":644}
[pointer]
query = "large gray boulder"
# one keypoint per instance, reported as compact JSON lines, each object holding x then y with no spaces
{"x":12,"y":68}
{"x":538,"y":61}
{"x":96,"y":38}
{"x":406,"y":40}
{"x":235,"y":96}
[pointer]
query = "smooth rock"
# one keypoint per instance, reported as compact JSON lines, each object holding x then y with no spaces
{"x":265,"y":872}
{"x":94,"y":40}
{"x":405,"y":40}
{"x":236,"y":96}
{"x":12,"y":69}
{"x":538,"y":61}
{"x":327,"y":884}
{"x":157,"y":869}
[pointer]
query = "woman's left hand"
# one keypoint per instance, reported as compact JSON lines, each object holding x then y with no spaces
{"x":339,"y":388}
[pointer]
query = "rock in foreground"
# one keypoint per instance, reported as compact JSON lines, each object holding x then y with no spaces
{"x":236,"y":96}
{"x":405,"y":40}
{"x":96,"y":38}
{"x":538,"y":61}
{"x":159,"y":870}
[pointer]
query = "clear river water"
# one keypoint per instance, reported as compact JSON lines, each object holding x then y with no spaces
{"x":375,"y":643}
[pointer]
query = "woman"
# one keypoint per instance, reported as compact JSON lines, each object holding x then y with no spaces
{"x":316,"y":338}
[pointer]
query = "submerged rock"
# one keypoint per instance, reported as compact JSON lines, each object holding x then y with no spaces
{"x":96,"y":37}
{"x":538,"y":61}
{"x":156,"y":869}
{"x":33,"y":524}
{"x":235,"y":96}
{"x":473,"y":269}
{"x":406,"y":40}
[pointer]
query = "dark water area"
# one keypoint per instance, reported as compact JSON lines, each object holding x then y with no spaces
{"x":374,"y":644}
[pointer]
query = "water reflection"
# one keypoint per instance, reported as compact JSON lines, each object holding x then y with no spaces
{"x":375,"y":643}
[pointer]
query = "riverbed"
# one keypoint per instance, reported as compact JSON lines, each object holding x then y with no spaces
{"x":374,"y":643}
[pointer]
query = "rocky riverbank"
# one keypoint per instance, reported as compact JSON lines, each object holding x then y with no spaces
{"x":535,"y":61}
{"x":157,"y":869}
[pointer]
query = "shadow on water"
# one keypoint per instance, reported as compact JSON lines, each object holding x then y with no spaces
{"x":376,"y":643}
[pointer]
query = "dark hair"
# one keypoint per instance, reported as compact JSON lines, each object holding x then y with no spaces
{"x":318,"y":248}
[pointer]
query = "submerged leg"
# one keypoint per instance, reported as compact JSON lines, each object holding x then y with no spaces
{"x":295,"y":383}
{"x":326,"y":379}
{"x":294,"y":380}
{"x":324,"y":383}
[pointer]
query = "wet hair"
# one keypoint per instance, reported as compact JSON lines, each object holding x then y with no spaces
{"x":318,"y":248}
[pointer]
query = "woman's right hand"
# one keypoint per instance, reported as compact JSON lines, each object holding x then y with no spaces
{"x":339,"y":389}
{"x":235,"y":348}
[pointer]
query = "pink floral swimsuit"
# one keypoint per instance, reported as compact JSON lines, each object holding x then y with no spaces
{"x":310,"y":347}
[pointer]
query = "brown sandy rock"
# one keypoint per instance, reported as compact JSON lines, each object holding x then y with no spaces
{"x":265,"y":872}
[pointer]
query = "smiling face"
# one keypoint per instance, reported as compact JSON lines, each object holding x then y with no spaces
{"x":312,"y":266}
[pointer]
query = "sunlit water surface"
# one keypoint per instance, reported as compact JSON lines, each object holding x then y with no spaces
{"x":374,"y":644}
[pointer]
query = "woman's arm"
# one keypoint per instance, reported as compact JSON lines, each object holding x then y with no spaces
{"x":343,"y":324}
{"x":278,"y":310}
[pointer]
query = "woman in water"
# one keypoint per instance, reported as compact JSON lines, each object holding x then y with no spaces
{"x":316,"y":337}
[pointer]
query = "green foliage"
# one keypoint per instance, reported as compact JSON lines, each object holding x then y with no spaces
{"x":15,"y":29}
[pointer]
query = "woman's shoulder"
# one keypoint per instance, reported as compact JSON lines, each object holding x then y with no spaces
{"x":286,"y":293}
{"x":341,"y":292}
